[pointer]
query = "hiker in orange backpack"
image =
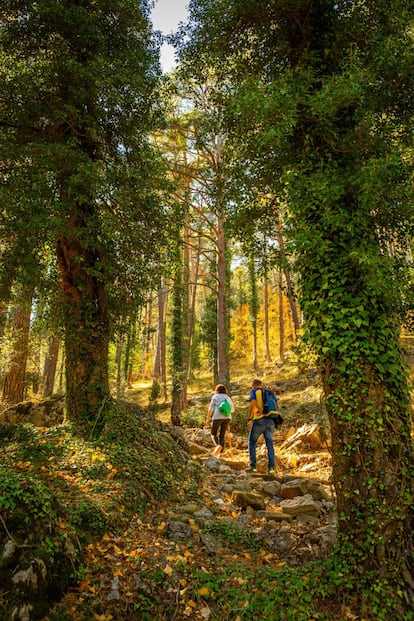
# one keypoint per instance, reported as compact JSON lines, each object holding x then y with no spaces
{"x":258,"y":424}
{"x":220,"y":410}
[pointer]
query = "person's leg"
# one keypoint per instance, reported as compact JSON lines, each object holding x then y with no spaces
{"x":223,"y":428}
{"x":254,"y":434}
{"x":214,"y":431}
{"x":268,"y":435}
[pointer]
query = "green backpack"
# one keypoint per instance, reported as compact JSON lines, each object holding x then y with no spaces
{"x":225,"y":408}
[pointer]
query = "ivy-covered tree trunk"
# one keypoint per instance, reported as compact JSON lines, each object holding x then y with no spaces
{"x":367,"y":400}
{"x":86,"y":333}
{"x":349,"y":295}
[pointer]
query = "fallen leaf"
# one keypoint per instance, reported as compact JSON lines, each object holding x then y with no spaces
{"x":168,"y":570}
{"x":205,"y":612}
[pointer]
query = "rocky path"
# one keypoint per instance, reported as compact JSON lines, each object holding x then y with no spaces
{"x":292,"y":512}
{"x":236,"y":518}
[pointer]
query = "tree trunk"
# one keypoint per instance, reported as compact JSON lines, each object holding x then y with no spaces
{"x":222,"y":359}
{"x":14,"y":381}
{"x":281,"y":321}
{"x":192,"y":306}
{"x":289,"y":286}
{"x":4,"y":309}
{"x":131,"y":340}
{"x":179,"y":321}
{"x":266,"y":319}
{"x":86,"y":334}
{"x":254,"y":309}
{"x":292,"y":302}
{"x":372,"y":457}
{"x":160,"y":369}
{"x":119,"y":345}
{"x":49,"y":368}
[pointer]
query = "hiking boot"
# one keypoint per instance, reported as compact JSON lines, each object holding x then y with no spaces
{"x":251,"y":470}
{"x":271,"y":471}
{"x":217,"y":451}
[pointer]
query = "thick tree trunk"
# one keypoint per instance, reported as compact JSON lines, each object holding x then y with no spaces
{"x":372,"y":458}
{"x":14,"y":381}
{"x":86,"y":335}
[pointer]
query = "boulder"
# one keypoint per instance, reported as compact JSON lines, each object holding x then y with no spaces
{"x":46,"y":413}
{"x":247,"y":499}
{"x":302,"y":505}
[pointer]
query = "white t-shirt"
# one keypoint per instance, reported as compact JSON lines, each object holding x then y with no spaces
{"x":216,"y":399}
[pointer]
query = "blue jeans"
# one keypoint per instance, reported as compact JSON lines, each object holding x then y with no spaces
{"x":266,"y":427}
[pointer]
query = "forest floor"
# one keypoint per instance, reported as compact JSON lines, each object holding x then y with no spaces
{"x":196,"y":555}
{"x":166,"y":532}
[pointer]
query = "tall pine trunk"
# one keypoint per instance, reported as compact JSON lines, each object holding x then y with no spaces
{"x":254,"y":309}
{"x":281,"y":320}
{"x":266,"y":319}
{"x":178,"y":322}
{"x":223,"y":372}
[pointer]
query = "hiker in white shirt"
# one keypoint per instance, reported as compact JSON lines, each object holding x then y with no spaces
{"x":220,"y":413}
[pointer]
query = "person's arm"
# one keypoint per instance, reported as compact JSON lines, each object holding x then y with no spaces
{"x":208,"y":419}
{"x":252,"y":410}
{"x":210,"y":412}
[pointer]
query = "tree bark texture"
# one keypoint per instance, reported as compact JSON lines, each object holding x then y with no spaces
{"x":86,"y":333}
{"x":372,"y":462}
{"x":49,"y":368}
{"x":14,"y":381}
{"x":281,"y":321}
{"x":160,"y":369}
{"x":222,"y":360}
{"x":266,"y":320}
